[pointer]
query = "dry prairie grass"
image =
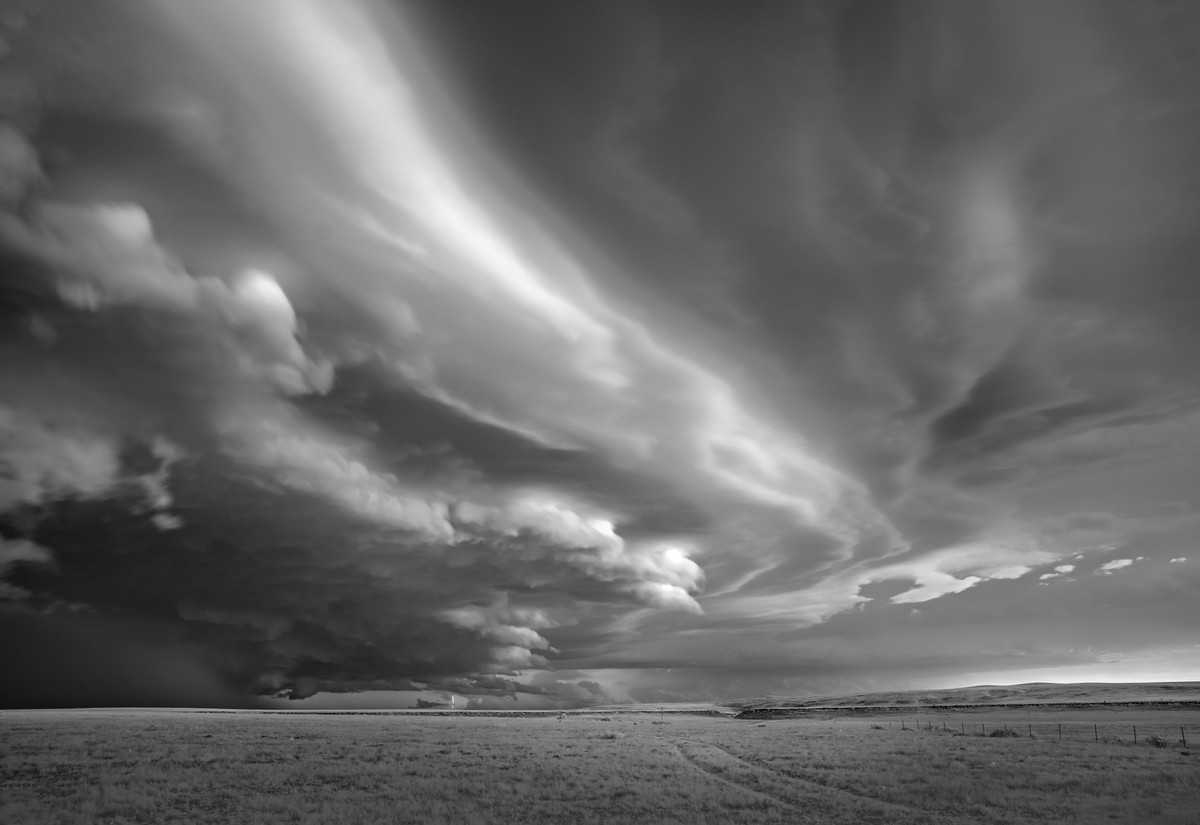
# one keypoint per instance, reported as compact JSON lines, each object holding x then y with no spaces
{"x":983,"y":779}
{"x":163,"y":767}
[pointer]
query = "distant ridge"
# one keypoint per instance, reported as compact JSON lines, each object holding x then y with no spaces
{"x":1032,"y":693}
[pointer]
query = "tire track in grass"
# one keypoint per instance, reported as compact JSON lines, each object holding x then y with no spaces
{"x":824,"y":804}
{"x":689,"y":756}
{"x":994,"y":817}
{"x":831,"y":789}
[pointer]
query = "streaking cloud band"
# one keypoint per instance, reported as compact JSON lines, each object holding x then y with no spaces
{"x":503,"y":321}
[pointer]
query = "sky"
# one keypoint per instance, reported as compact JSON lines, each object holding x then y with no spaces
{"x":546,"y":354}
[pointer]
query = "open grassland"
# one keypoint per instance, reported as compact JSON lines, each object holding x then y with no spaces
{"x":164,"y":766}
{"x":1032,"y":693}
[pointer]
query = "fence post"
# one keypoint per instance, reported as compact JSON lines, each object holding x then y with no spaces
{"x":962,"y":726}
{"x":1096,"y":730}
{"x":1135,"y":734}
{"x":1183,"y":736}
{"x":983,"y":728}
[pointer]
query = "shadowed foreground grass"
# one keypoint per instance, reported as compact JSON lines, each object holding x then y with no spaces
{"x":164,"y":766}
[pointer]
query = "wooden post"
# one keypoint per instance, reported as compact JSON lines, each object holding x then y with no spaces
{"x":962,"y":726}
{"x":983,"y":728}
{"x":1096,"y":730}
{"x":1135,"y":734}
{"x":1183,"y":736}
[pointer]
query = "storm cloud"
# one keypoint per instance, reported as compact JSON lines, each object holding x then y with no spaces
{"x":631,"y":351}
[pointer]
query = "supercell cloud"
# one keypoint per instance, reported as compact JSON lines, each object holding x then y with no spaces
{"x":552,"y":355}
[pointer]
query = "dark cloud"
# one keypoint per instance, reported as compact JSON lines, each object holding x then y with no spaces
{"x":93,"y":660}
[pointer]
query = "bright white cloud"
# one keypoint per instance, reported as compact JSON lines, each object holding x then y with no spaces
{"x":1108,"y":568}
{"x":1061,"y":570}
{"x":955,"y":569}
{"x":933,"y":584}
{"x":546,"y":515}
{"x":659,"y":574}
{"x":1179,"y":560}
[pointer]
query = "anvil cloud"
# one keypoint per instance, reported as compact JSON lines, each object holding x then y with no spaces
{"x":552,"y":354}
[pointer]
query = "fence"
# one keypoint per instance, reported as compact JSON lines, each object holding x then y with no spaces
{"x":1157,"y":734}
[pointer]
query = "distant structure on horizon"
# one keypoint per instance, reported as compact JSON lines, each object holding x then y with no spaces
{"x":451,"y":703}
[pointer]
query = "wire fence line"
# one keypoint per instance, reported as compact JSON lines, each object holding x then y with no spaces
{"x":1161,"y":734}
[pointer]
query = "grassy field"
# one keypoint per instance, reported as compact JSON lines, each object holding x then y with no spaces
{"x":171,"y":766}
{"x":1032,"y":693}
